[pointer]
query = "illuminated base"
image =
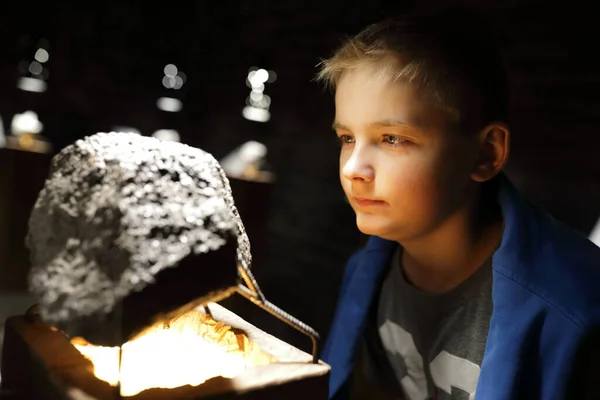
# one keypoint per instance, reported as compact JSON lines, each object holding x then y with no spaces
{"x":188,"y":350}
{"x":28,"y":142}
{"x":39,"y":362}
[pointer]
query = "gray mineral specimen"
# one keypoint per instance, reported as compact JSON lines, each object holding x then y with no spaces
{"x":118,"y":208}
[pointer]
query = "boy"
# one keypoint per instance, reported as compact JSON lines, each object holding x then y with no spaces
{"x":464,"y":290}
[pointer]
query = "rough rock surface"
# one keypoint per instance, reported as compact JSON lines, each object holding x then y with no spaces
{"x":118,"y":208}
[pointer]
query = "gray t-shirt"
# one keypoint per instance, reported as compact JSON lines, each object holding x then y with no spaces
{"x":434,"y":343}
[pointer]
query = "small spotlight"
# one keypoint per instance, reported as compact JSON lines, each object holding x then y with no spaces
{"x":169,"y":104}
{"x":26,"y":122}
{"x":32,"y":84}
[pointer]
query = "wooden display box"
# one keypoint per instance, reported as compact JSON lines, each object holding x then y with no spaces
{"x":39,"y":362}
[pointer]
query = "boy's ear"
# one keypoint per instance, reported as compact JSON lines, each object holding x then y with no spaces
{"x":493,"y":147}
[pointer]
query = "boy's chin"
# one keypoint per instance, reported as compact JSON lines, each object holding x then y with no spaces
{"x":375,"y":226}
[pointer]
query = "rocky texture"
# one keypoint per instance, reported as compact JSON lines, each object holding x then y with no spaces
{"x":116,"y":210}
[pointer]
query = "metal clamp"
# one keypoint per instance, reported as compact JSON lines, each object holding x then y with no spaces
{"x":253,"y":293}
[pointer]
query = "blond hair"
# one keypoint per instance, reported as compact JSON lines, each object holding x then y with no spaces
{"x":445,"y":54}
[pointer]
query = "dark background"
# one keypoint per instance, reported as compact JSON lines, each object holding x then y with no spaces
{"x":105,"y":69}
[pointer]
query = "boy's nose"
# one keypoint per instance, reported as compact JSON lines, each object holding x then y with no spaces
{"x":357,"y":167}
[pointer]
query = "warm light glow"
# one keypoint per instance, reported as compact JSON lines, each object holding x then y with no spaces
{"x":26,"y":141}
{"x":188,"y":351}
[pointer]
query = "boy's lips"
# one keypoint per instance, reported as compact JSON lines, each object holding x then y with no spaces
{"x":366,"y":202}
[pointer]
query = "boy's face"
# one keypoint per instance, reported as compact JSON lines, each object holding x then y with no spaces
{"x":402,"y":169}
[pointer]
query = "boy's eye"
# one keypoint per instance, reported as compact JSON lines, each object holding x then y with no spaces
{"x":394,"y":140}
{"x":345,"y":139}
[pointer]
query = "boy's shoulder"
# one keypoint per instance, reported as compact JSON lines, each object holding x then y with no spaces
{"x":557,"y":265}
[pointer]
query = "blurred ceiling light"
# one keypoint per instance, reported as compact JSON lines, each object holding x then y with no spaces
{"x":595,"y":234}
{"x":35,"y":68}
{"x":26,"y":123}
{"x":258,"y":103}
{"x":169,"y":104}
{"x":127,"y":129}
{"x":170,"y":70}
{"x":32,"y":84}
{"x":168,"y":82}
{"x":170,"y":135}
{"x":42,"y":55}
{"x":266,"y":101}
{"x":256,"y":79}
{"x":259,"y":100}
{"x":173,"y":79}
{"x":256,"y":96}
{"x":178,"y":82}
{"x":256,"y":114}
{"x":261,"y":75}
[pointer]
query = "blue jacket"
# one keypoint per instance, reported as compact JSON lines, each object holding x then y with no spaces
{"x":543,"y":335}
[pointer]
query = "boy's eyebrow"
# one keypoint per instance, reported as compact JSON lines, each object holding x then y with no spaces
{"x":336,"y":125}
{"x":394,"y":122}
{"x":380,"y":124}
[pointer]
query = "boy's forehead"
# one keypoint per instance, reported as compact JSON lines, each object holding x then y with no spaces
{"x":366,"y":96}
{"x":369,"y":73}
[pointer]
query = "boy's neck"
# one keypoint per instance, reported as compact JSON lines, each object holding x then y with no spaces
{"x":449,"y":255}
